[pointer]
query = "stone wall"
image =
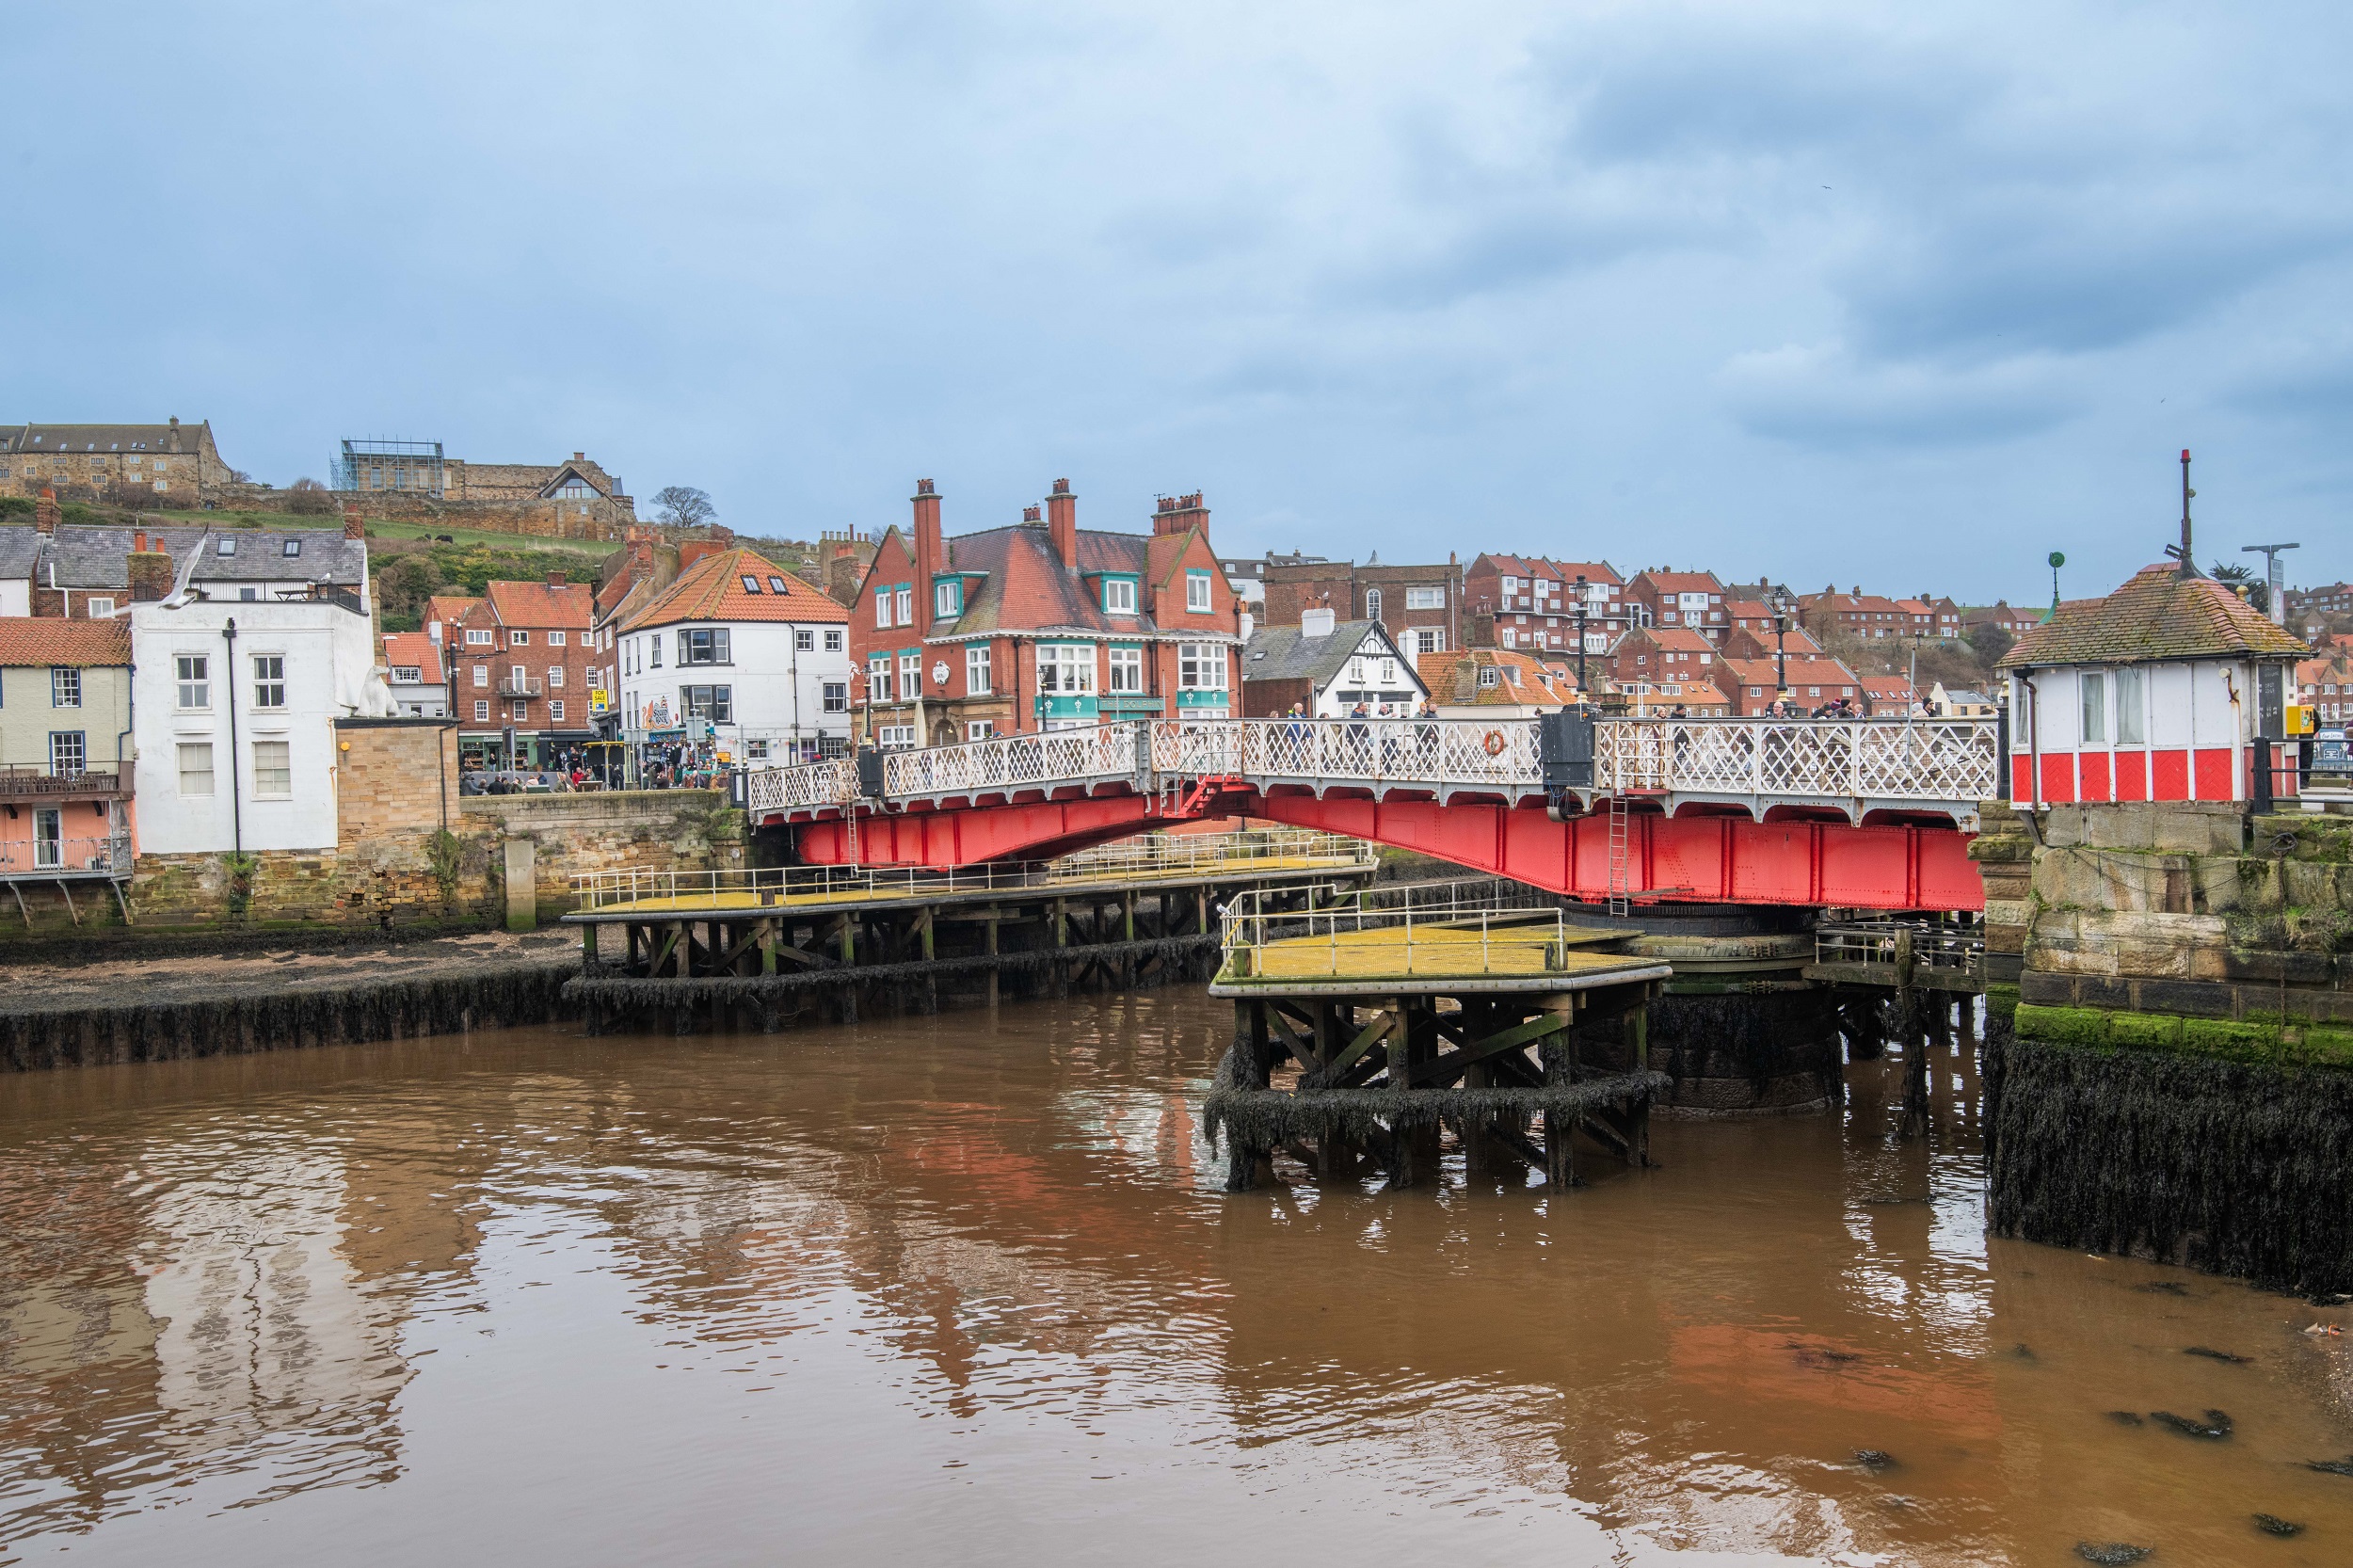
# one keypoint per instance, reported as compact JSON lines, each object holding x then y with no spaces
{"x":407,"y":878}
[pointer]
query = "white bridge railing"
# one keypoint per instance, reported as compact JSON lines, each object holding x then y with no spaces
{"x":1939,"y":763}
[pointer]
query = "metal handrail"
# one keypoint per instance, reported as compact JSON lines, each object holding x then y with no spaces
{"x":1944,"y":950}
{"x":35,"y":858}
{"x":1157,"y":853}
{"x":1417,"y":910}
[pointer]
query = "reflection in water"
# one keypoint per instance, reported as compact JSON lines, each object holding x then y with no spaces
{"x":965,"y":1286}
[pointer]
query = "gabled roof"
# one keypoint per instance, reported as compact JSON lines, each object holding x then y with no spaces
{"x":81,"y":555}
{"x":1286,"y":653}
{"x":1024,"y":587}
{"x":1538,"y":566}
{"x":413,"y":648}
{"x":1803,"y":672}
{"x":1452,"y":678}
{"x":561,"y":607}
{"x":45,"y":640}
{"x":2156,"y":614}
{"x":1666,"y":582}
{"x":102,"y":437}
{"x":1676,"y":639}
{"x":713,"y":590}
{"x":450,"y":607}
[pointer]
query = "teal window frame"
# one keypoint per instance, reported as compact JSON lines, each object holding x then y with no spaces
{"x":951,"y":605}
{"x":1209,"y":594}
{"x":1135,"y":593}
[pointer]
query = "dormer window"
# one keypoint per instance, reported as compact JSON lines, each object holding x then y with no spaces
{"x":1489,"y":676}
{"x":751,"y":584}
{"x":1119,"y":596}
{"x":947,"y":599}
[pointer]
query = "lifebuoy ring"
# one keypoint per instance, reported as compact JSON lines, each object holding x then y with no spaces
{"x":1494,"y":742}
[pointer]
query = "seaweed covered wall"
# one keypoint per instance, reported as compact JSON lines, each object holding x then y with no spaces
{"x":2232,"y":1164}
{"x":2172,"y":1073}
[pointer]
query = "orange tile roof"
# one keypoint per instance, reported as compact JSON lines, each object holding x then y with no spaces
{"x":447,"y":607}
{"x":413,"y":648}
{"x":39,"y":640}
{"x":1675,"y":639}
{"x":1451,"y":679}
{"x":713,"y":589}
{"x":566,"y":606}
{"x":1663,"y":581}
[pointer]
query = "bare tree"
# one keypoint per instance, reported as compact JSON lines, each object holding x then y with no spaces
{"x":684,"y":506}
{"x":306,"y":497}
{"x":1990,"y":640}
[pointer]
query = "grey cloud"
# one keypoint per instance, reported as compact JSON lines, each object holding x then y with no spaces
{"x":1823,"y":399}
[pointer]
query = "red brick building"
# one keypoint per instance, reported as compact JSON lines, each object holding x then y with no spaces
{"x":1688,"y":598}
{"x":1533,"y":601}
{"x":1748,"y":684}
{"x":1042,"y":625}
{"x":521,"y":659}
{"x":1869,"y":617}
{"x":1421,"y":606}
{"x":1668,"y":666}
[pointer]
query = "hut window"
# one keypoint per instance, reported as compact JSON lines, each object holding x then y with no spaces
{"x":2094,"y":688}
{"x":2131,"y":704}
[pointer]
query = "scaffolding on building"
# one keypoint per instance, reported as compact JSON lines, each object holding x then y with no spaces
{"x":415,"y":467}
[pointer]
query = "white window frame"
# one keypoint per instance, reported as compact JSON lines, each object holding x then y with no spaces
{"x":1066,"y":670}
{"x":278,"y":748}
{"x":269,"y":680}
{"x":977,"y":674}
{"x":1119,"y":596}
{"x":1198,"y":598}
{"x":1127,"y":663}
{"x":193,"y":674}
{"x":1201,"y":667}
{"x":188,"y":752}
{"x":833,"y":639}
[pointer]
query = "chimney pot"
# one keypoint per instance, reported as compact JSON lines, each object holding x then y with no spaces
{"x":557,"y":580}
{"x":1032,"y":514}
{"x":1062,"y":523}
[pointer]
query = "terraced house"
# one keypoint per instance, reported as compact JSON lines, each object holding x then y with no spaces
{"x":1042,"y":625}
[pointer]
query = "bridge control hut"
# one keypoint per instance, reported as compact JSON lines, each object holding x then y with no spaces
{"x":2158,"y":692}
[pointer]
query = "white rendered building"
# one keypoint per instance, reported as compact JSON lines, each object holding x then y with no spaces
{"x":739,"y":652}
{"x":233,"y":711}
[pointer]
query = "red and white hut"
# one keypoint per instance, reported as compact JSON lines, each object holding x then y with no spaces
{"x":2156,"y":691}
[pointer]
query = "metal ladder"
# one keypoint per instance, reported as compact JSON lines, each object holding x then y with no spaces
{"x":1620,"y":857}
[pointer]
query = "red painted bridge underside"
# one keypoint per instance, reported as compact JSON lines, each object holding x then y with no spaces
{"x":1686,"y":858}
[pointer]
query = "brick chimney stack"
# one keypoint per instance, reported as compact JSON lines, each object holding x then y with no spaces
{"x":171,"y":438}
{"x":45,"y":511}
{"x":1176,"y":513}
{"x":930,"y":555}
{"x":149,"y":569}
{"x":1062,"y":523}
{"x":353,"y":527}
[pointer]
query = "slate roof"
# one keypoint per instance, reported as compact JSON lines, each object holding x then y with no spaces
{"x":1286,"y":653}
{"x":86,"y":556}
{"x":713,"y":589}
{"x":45,"y":640}
{"x":1025,"y":589}
{"x":2156,"y":614}
{"x":566,"y":607}
{"x":101,"y":438}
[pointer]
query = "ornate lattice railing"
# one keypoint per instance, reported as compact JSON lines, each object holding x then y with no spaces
{"x":1939,"y":761}
{"x":802,"y":788}
{"x":1942,"y":761}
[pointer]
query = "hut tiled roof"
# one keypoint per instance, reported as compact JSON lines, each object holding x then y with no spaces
{"x":2157,"y":614}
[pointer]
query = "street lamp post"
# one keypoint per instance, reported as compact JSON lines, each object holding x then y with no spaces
{"x":1780,"y":657}
{"x":1584,"y":693}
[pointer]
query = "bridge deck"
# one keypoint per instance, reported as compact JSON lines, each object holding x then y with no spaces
{"x":1427,"y":959}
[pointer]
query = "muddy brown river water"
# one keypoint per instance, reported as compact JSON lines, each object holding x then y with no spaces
{"x":963,"y":1289}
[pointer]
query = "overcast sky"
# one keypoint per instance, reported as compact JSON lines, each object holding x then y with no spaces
{"x":1907,"y":295}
